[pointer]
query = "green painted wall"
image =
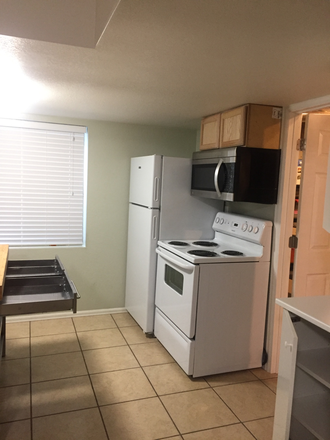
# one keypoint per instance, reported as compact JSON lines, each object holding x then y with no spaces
{"x":98,"y":270}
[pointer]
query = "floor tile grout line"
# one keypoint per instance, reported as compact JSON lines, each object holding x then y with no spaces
{"x":241,"y":421}
{"x":55,"y":354}
{"x":169,"y":438}
{"x":174,"y":393}
{"x":160,"y":400}
{"x":259,"y":418}
{"x":137,"y":367}
{"x":157,"y":396}
{"x":209,"y":386}
{"x":218,"y":385}
{"x":53,"y":335}
{"x":139,"y":399}
{"x":41,"y":416}
{"x":128,"y":401}
{"x":129,"y":346}
{"x":60,"y":378}
{"x":82,"y":352}
{"x":162,"y":403}
{"x":254,"y":420}
{"x":142,"y":368}
{"x":211,"y":428}
{"x":49,"y":334}
{"x":230,"y":409}
{"x":250,"y":431}
{"x":91,"y":383}
{"x":269,"y":387}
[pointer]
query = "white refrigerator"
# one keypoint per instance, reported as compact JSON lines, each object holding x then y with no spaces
{"x":160,"y":208}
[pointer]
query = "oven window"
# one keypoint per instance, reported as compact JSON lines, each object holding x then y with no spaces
{"x":174,"y":279}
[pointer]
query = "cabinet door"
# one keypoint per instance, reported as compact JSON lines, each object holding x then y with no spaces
{"x":263,"y":126}
{"x":286,"y":376}
{"x":233,"y":127}
{"x":210,"y":132}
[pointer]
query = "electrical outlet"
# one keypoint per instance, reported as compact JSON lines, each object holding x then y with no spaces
{"x":277,"y":113}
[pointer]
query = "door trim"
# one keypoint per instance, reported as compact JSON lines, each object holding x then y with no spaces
{"x":282,"y":230}
{"x":310,"y":105}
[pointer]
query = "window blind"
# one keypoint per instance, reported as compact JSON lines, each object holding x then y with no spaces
{"x":42,"y":184}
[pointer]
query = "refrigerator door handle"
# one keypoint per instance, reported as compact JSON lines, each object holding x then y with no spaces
{"x":154,"y":227}
{"x":156,"y":189}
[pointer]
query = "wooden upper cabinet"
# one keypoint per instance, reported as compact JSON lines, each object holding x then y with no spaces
{"x":210,"y":132}
{"x":251,"y":125}
{"x":233,"y":126}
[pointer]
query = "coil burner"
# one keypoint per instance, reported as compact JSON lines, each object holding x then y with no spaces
{"x":233,"y":253}
{"x":178,"y":243}
{"x":203,"y":253}
{"x":205,"y":243}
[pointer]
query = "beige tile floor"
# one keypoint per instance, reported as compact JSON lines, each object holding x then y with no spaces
{"x":101,"y":378}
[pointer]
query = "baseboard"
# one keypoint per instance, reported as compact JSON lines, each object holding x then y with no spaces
{"x":66,"y":314}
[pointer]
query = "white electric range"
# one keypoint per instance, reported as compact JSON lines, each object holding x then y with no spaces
{"x":211,"y":296}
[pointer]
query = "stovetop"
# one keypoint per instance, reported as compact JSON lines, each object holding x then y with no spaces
{"x":236,"y":239}
{"x":210,"y":253}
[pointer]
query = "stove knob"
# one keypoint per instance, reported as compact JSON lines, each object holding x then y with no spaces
{"x":217,"y":219}
{"x":221,"y":221}
{"x":250,"y":228}
{"x":256,"y":230}
{"x":244,"y":227}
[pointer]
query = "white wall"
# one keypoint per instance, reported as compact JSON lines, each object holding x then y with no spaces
{"x":98,"y":270}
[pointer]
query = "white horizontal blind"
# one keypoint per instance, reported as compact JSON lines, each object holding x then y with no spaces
{"x":42,"y":175}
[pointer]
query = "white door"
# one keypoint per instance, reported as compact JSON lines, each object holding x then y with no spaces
{"x":312,"y":257}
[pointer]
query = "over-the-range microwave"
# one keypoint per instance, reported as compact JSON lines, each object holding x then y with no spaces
{"x":240,"y":174}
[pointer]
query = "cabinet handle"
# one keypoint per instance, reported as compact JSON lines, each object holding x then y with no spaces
{"x":287,"y":345}
{"x":188,"y":267}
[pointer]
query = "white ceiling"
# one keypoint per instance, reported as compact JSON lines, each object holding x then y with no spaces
{"x":79,"y":23}
{"x":171,"y":62}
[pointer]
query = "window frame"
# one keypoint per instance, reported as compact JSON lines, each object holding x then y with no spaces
{"x":82,"y":131}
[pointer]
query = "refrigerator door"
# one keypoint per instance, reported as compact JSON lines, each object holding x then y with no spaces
{"x":145,"y":181}
{"x":184,"y":216}
{"x":141,"y":265}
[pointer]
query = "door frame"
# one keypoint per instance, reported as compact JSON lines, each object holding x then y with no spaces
{"x":283,"y":217}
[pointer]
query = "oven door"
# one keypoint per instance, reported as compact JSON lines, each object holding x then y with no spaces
{"x":176,"y":290}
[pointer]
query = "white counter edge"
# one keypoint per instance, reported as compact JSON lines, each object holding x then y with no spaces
{"x":315,"y":309}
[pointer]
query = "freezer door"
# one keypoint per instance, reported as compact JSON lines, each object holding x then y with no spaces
{"x":145,"y":181}
{"x":141,"y":265}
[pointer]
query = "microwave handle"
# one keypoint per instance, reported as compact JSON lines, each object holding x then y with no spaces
{"x":216,"y":177}
{"x":188,"y":268}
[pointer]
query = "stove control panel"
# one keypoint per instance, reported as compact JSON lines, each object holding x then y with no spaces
{"x":248,"y":228}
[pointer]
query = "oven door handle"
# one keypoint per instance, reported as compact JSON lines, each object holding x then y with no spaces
{"x":216,"y":177}
{"x":186,"y":267}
